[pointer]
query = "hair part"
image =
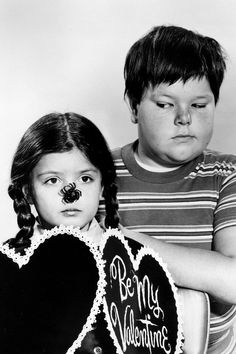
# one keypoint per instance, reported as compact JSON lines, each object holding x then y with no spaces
{"x":54,"y":133}
{"x":168,"y":54}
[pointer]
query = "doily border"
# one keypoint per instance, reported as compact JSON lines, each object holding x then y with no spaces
{"x":22,"y":260}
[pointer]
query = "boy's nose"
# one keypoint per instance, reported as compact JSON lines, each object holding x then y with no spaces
{"x":183,"y":117}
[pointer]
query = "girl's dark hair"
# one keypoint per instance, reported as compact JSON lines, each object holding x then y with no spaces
{"x":53,"y":133}
{"x":168,"y":54}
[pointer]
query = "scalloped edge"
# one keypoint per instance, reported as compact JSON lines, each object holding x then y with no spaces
{"x":59,"y":230}
{"x":136,"y":261}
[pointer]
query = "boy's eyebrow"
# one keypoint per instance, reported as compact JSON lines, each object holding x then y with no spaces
{"x":160,"y":93}
{"x":207,"y":95}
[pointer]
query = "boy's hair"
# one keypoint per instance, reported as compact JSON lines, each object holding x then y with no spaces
{"x":169,"y":53}
{"x":54,"y":133}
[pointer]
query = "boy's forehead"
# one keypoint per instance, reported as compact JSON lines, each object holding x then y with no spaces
{"x":193,"y":87}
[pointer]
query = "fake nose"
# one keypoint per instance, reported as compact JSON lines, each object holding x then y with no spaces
{"x":70,"y":193}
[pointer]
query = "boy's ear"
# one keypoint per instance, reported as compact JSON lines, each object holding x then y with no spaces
{"x":133,"y":111}
{"x":134,"y":118}
{"x":134,"y":114}
{"x":27,"y":193}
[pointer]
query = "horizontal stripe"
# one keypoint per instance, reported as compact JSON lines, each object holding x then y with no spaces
{"x":202,"y":191}
{"x":222,"y":225}
{"x":223,"y":322}
{"x":123,"y":173}
{"x":126,"y":205}
{"x":173,"y":228}
{"x":178,"y":195}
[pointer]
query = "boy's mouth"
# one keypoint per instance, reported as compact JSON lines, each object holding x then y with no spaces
{"x":183,"y":137}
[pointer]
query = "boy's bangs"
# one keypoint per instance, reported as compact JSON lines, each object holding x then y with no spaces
{"x":176,"y":67}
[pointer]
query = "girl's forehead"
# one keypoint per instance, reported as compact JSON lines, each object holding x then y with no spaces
{"x":73,"y":160}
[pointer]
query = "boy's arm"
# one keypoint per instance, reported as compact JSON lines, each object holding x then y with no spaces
{"x":213,"y":272}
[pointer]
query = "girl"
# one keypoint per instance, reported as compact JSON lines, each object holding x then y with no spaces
{"x":61,"y":168}
{"x":61,"y":156}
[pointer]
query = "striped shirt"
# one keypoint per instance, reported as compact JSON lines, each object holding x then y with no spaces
{"x":185,"y":206}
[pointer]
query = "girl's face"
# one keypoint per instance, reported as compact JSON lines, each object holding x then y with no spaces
{"x":53,"y":172}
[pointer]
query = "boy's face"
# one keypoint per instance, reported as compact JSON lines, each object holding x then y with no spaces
{"x":53,"y":172}
{"x":175,"y":122}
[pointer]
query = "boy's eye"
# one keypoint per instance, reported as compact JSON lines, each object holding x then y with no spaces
{"x":163,"y":105}
{"x":52,"y":180}
{"x":199,"y":105}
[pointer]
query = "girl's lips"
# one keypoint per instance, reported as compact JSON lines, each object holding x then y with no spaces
{"x":70,"y":212}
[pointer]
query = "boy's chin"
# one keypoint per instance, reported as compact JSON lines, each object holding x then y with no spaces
{"x":182,"y":158}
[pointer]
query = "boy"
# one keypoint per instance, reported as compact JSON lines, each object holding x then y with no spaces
{"x":171,"y":187}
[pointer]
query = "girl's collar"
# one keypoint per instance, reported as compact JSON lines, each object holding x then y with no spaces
{"x":94,"y":233}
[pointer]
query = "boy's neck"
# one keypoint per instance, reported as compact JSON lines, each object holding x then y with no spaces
{"x":151,"y":165}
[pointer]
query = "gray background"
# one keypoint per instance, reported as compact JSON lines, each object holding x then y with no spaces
{"x":68,"y":55}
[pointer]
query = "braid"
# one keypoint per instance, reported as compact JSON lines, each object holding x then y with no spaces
{"x":111,"y":204}
{"x":25,"y":218}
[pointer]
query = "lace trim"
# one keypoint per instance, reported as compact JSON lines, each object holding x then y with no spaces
{"x":136,"y":261}
{"x":24,"y":259}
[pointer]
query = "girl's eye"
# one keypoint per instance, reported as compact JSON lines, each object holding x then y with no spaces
{"x":86,"y":179}
{"x":52,"y":180}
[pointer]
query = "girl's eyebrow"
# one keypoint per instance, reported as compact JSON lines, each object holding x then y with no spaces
{"x":89,"y":170}
{"x":47,"y":173}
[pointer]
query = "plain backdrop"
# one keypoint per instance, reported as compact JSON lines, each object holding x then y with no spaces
{"x":68,"y":55}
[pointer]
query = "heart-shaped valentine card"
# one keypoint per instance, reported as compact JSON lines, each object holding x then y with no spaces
{"x":141,"y":302}
{"x":49,"y":297}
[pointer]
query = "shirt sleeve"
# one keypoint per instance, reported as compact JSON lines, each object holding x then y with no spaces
{"x":225,"y":212}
